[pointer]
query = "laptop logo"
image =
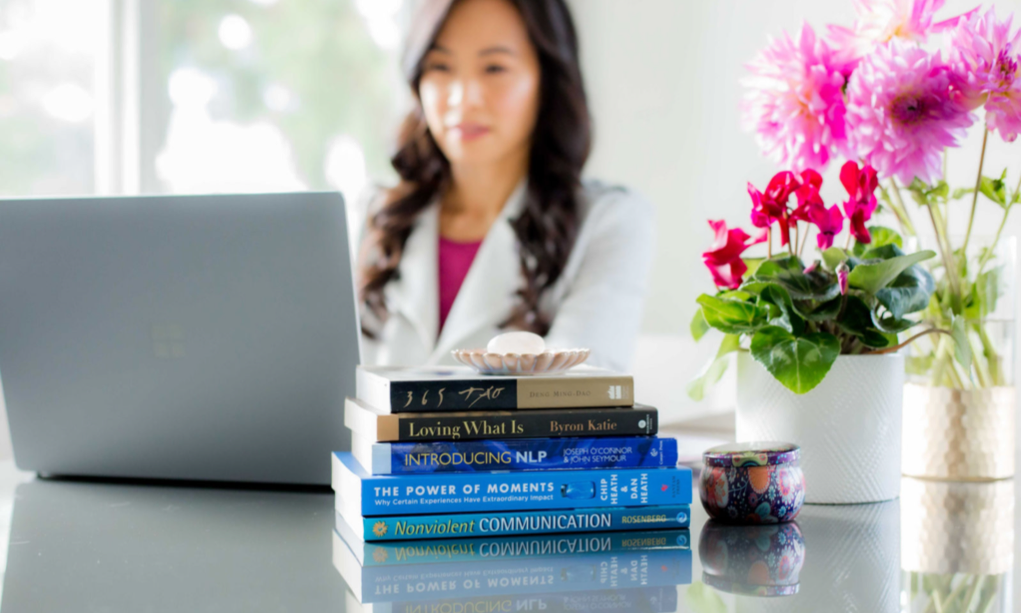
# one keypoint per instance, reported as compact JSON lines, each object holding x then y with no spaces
{"x":167,"y":340}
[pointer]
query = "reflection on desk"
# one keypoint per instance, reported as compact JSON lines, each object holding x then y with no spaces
{"x":125,"y":547}
{"x":110,"y":547}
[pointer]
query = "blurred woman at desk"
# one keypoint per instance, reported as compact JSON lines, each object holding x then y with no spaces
{"x":491,"y":228}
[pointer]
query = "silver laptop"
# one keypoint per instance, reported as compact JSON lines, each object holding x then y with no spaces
{"x":178,"y":337}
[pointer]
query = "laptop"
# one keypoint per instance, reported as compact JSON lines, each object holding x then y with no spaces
{"x":178,"y":337}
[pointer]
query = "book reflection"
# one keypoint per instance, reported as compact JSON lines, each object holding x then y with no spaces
{"x":607,"y":571}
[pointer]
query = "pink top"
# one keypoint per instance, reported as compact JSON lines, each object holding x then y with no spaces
{"x":455,"y":260}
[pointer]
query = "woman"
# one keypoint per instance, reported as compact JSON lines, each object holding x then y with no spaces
{"x":490,"y":228}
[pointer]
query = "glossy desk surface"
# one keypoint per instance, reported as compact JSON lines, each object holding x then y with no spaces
{"x":87,"y":546}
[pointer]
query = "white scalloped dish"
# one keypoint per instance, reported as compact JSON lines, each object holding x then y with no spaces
{"x":549,"y":362}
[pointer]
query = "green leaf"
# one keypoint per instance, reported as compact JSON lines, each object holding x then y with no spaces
{"x":880,"y":252}
{"x":870,"y":278}
{"x":857,"y":321}
{"x":833,"y":256}
{"x":919,"y":191}
{"x":940,"y":190}
{"x":789,"y":273}
{"x":985,"y":293}
{"x":732,"y":316}
{"x":908,"y":293}
{"x":995,"y":189}
{"x":961,"y":192}
{"x":823,"y":312}
{"x":881,"y":236}
{"x":753,"y":265}
{"x":962,"y":348}
{"x":798,"y":363}
{"x":788,"y":318}
{"x":698,"y":326}
{"x":700,"y":385}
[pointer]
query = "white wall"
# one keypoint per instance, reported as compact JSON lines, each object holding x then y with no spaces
{"x":663,"y":76}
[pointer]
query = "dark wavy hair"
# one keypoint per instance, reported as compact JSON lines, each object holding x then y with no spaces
{"x":561,"y":141}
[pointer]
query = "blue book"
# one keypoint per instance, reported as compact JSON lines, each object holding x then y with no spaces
{"x":509,"y":576}
{"x":632,"y":600}
{"x":369,"y":495}
{"x":439,"y":551}
{"x":514,"y":454}
{"x":459,"y":525}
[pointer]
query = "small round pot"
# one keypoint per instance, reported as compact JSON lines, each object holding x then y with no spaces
{"x":752,"y":483}
{"x":752,"y":560}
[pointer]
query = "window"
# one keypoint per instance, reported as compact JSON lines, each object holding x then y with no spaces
{"x":197,"y":96}
{"x":48,"y":59}
{"x":264,"y":95}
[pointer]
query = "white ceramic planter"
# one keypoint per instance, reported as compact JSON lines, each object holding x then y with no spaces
{"x":848,"y":427}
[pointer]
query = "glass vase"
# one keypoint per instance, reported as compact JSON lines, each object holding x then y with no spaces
{"x":959,"y":399}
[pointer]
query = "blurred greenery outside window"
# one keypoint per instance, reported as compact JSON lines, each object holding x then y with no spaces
{"x":197,"y":96}
{"x":47,"y":64}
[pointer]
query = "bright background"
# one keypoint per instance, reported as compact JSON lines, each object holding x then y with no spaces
{"x":184,"y":96}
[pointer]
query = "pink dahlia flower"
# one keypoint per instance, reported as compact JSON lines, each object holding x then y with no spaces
{"x":795,"y":103}
{"x":880,"y":21}
{"x":985,"y":55}
{"x":726,"y":254}
{"x":903,"y":109}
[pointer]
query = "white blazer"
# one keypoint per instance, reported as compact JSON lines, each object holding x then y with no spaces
{"x":596,"y":303}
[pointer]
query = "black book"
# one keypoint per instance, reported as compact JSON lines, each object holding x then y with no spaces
{"x":431,"y":389}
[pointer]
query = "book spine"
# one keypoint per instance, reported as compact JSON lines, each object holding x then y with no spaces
{"x":523,"y":454}
{"x":528,"y":522}
{"x":521,"y":424}
{"x":482,"y":549}
{"x":633,"y":600}
{"x":524,"y":491}
{"x":502,"y":394}
{"x":523,"y":576}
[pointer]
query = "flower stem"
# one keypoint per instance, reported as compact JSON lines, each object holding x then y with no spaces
{"x":909,"y":341}
{"x":942,"y":233}
{"x":804,"y":241}
{"x":769,"y":242}
{"x":900,"y":210}
{"x":794,"y":243}
{"x":991,"y":248}
{"x":974,"y":196}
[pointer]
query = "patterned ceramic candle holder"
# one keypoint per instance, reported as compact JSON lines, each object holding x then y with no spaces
{"x":752,"y":560}
{"x":753,"y":483}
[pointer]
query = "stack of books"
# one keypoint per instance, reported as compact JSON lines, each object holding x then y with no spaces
{"x":444,"y":452}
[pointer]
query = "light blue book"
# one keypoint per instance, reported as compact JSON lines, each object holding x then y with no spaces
{"x":482,"y":548}
{"x":511,"y":576}
{"x":557,"y":521}
{"x":358,"y":492}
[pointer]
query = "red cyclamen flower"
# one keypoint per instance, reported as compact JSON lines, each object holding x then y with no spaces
{"x":726,"y":252}
{"x":811,"y":209}
{"x":830,"y":223}
{"x":771,"y":206}
{"x":861,"y":187}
